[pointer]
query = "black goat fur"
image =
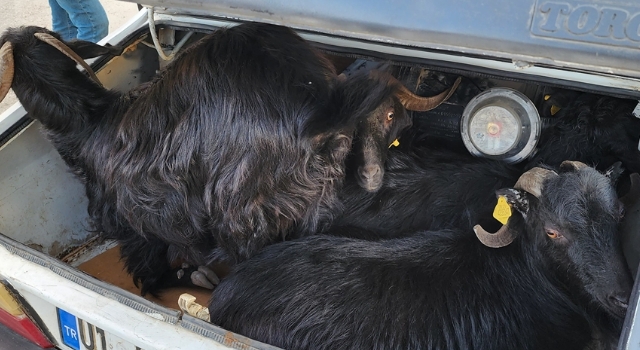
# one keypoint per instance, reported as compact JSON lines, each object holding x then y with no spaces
{"x":426,"y":189}
{"x":596,"y":130}
{"x":429,"y":188}
{"x":237,"y":143}
{"x":444,"y":289}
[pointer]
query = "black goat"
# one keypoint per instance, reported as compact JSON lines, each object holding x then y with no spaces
{"x":561,"y":283}
{"x":596,"y":130}
{"x":426,"y":189}
{"x":239,"y":142}
{"x":431,"y":188}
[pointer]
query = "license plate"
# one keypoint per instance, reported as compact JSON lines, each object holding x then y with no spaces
{"x":79,"y":334}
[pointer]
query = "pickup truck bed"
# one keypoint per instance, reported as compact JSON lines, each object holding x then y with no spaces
{"x":55,"y":263}
{"x":107,"y":267}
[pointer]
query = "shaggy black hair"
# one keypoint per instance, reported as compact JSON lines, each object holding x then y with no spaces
{"x":427,"y":189}
{"x":239,"y":142}
{"x":596,"y":130}
{"x":444,"y":289}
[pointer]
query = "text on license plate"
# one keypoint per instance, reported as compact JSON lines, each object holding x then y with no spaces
{"x":79,"y":334}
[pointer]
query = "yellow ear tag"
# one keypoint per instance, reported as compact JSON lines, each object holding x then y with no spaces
{"x":395,"y":143}
{"x":554,"y":109}
{"x":547,"y":97}
{"x":502,"y":212}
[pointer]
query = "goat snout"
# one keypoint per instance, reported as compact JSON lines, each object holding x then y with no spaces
{"x":618,"y":303}
{"x":370,"y":177}
{"x":619,"y":300}
{"x":369,"y":172}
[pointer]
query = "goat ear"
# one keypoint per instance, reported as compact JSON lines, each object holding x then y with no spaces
{"x":336,"y":145}
{"x":339,"y":146}
{"x":517,"y":199}
{"x":87,"y":49}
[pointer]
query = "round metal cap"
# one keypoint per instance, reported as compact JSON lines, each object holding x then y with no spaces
{"x":501,"y":123}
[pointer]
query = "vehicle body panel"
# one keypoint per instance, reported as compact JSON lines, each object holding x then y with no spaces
{"x":554,"y":42}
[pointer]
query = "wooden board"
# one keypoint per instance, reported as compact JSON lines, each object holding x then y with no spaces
{"x":107,"y":267}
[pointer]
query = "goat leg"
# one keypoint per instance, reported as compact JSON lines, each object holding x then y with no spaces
{"x":188,"y":275}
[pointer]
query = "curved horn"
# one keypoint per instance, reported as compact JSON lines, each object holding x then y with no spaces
{"x":414,"y":102}
{"x":632,"y":196}
{"x":62,"y":47}
{"x":573,"y":164}
{"x":500,"y":239}
{"x":6,"y":69}
{"x":531,"y":181}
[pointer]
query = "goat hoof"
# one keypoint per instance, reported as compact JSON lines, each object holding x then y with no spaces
{"x":191,"y":275}
{"x":205,"y":278}
{"x":211,"y":276}
{"x":180,"y":273}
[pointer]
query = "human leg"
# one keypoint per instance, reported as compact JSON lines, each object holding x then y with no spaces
{"x":61,"y":22}
{"x":89,"y":18}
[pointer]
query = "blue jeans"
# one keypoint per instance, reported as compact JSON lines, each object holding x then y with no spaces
{"x":79,"y":19}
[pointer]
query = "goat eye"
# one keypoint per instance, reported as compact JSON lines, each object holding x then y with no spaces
{"x":390,"y":116}
{"x":553,"y":234}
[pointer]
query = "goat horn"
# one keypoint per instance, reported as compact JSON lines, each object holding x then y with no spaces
{"x":62,"y":47}
{"x":574,"y":164}
{"x":414,"y":102}
{"x":631,"y":197}
{"x":500,"y":239}
{"x":6,"y":69}
{"x":531,"y":181}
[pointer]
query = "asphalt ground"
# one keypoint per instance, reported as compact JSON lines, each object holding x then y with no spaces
{"x":15,"y":13}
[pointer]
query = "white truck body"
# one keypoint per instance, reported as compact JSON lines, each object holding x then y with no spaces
{"x":43,"y":206}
